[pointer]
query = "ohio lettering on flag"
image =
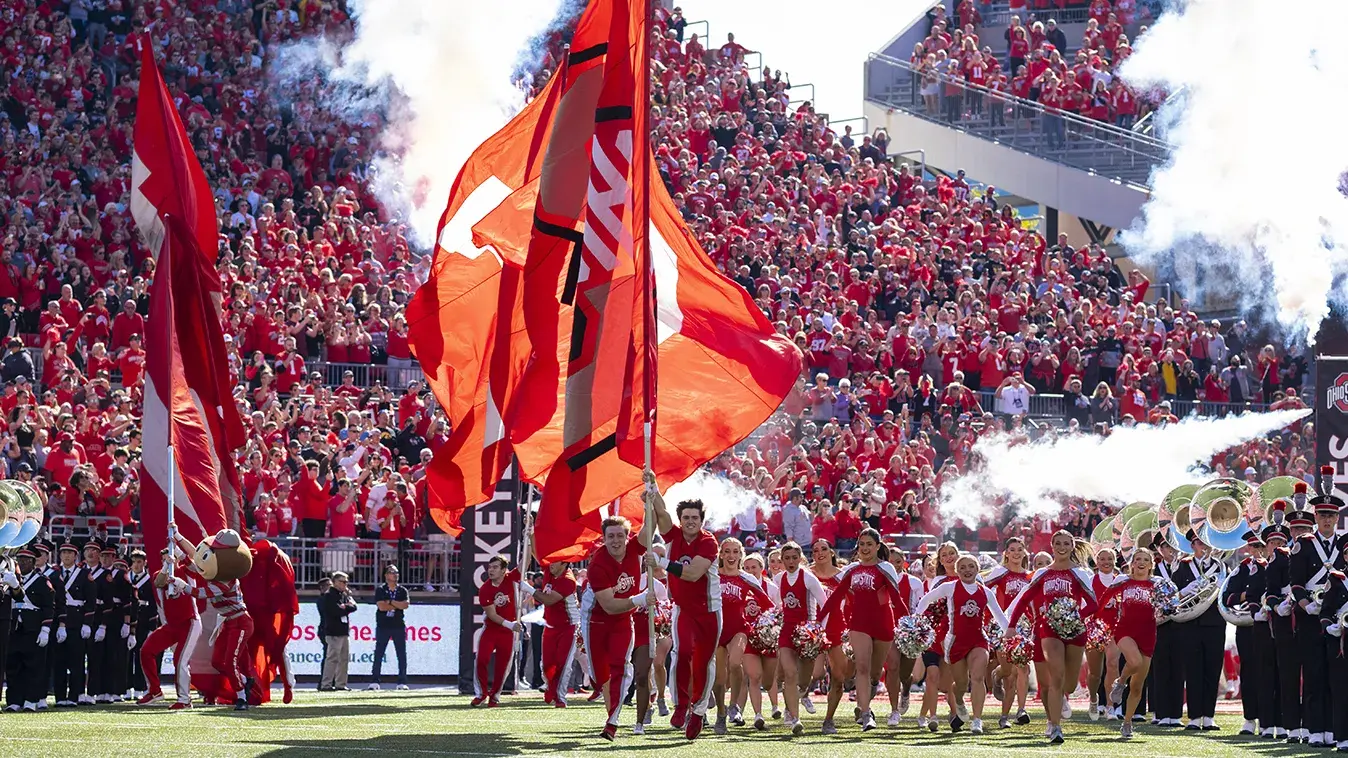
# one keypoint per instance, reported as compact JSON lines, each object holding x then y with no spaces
{"x":188,"y":402}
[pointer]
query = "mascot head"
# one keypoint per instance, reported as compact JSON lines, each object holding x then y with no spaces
{"x":222,"y":557}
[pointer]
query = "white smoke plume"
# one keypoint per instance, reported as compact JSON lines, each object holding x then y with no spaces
{"x":1131,"y":464}
{"x":439,"y":76}
{"x":722,"y":499}
{"x":1249,"y":204}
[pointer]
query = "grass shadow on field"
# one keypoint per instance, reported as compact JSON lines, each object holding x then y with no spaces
{"x":1269,"y":747}
{"x":315,"y":711}
{"x":418,"y":744}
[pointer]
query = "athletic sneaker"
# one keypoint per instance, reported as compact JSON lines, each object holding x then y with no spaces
{"x":1022,"y":718}
{"x":1116,"y":693}
{"x":976,"y":726}
{"x":867,"y":721}
{"x":680,"y":717}
{"x":921,"y":722}
{"x":999,"y":688}
{"x":956,"y":723}
{"x":610,"y":731}
{"x":639,"y":729}
{"x":374,"y":687}
{"x":664,"y":709}
{"x":962,"y":710}
{"x":402,"y":687}
{"x":694,"y":726}
{"x":736,"y":717}
{"x":479,"y":700}
{"x":1066,"y":709}
{"x":1126,"y":731}
{"x":1003,"y":723}
{"x":807,"y":704}
{"x":647,"y":721}
{"x":829,"y":727}
{"x":776,"y":713}
{"x":797,"y":729}
{"x":933,"y":726}
{"x":720,"y":727}
{"x":893,"y":718}
{"x":903,"y":704}
{"x":181,"y":706}
{"x":1056,"y":738}
{"x":759,"y":723}
{"x":1093,"y":712}
{"x":146,"y":699}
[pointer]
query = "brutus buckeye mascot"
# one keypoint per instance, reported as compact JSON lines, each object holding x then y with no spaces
{"x":217,"y":565}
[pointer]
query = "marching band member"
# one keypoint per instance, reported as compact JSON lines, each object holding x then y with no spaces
{"x":1167,"y":684}
{"x":1312,"y":557}
{"x":96,"y":644}
{"x":1274,"y":539}
{"x":648,"y":656}
{"x":760,"y":664}
{"x":1203,"y":640}
{"x":899,"y":670}
{"x":1129,"y":606}
{"x":33,"y":615}
{"x":1278,"y":601}
{"x":695,"y":588}
{"x":1247,"y":582}
{"x":1102,"y":666}
{"x":1007,"y":580}
{"x":802,"y":595}
{"x":738,"y":588}
{"x":497,"y":599}
{"x":870,"y":589}
{"x":824,"y":566}
{"x":561,"y":615}
{"x":72,"y":581}
{"x":1333,"y":612}
{"x":937,"y":672}
{"x":606,"y":613}
{"x":1062,"y":658}
{"x":965,"y":647}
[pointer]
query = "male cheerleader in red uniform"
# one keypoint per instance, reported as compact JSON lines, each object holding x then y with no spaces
{"x":695,"y":587}
{"x":179,"y":628}
{"x":497,"y":598}
{"x":561,"y":612}
{"x":606,"y":613}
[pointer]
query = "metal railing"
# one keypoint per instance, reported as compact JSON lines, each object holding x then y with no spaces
{"x":420,"y":563}
{"x":1000,"y":15}
{"x":366,"y":375}
{"x":796,"y":101}
{"x":1025,"y":125}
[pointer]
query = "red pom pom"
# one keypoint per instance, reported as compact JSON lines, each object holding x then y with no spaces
{"x":1280,"y":505}
{"x":1299,"y":488}
{"x":1326,"y":470}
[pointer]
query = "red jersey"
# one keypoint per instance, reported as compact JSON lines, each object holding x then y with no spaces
{"x":870,"y":592}
{"x":607,"y":572}
{"x":738,"y":593}
{"x":1048,"y":585}
{"x":966,"y":605}
{"x":502,"y":597}
{"x":703,"y":595}
{"x":175,"y":607}
{"x":1006,"y":583}
{"x":564,"y":612}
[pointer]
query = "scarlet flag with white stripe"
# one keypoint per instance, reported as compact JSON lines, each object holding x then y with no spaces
{"x":188,"y":403}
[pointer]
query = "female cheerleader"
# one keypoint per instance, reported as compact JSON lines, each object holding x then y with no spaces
{"x":738,"y":587}
{"x":1129,"y":604}
{"x":899,"y":671}
{"x":643,"y":661}
{"x":1062,"y":658}
{"x":870,"y":588}
{"x":965,"y":645}
{"x":824,"y":566}
{"x":1103,"y":666}
{"x":938,"y":674}
{"x":1007,"y":580}
{"x":760,"y":664}
{"x":802,"y":595}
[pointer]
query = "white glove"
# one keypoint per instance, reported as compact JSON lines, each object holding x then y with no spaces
{"x":1312,"y":608}
{"x":85,"y":631}
{"x":131,"y":642}
{"x":60,"y":635}
{"x":1285,"y":608}
{"x":1261,"y":615}
{"x":101,"y":633}
{"x":10,"y":580}
{"x":511,"y":625}
{"x":180,"y":585}
{"x":638,"y":600}
{"x":1334,"y":629}
{"x":1189,"y":591}
{"x":42,"y":637}
{"x":126,"y":630}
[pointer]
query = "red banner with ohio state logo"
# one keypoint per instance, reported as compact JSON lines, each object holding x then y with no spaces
{"x":1331,"y":420}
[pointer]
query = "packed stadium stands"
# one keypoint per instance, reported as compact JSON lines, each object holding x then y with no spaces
{"x":930,"y":314}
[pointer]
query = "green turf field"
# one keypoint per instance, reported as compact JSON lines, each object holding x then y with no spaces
{"x":430,"y":722}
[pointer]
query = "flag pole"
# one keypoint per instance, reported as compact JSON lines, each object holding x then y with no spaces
{"x":642,"y":157}
{"x":172,"y":478}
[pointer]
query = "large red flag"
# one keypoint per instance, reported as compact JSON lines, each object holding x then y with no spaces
{"x":188,"y":402}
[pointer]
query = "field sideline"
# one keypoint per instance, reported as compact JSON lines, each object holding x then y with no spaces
{"x":430,"y":722}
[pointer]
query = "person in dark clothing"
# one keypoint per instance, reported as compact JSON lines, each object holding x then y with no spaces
{"x":392,"y":600}
{"x":1054,"y":36}
{"x":335,"y":608}
{"x":323,"y":585}
{"x":34,"y":616}
{"x":80,"y":593}
{"x":16,"y":363}
{"x":1076,"y":406}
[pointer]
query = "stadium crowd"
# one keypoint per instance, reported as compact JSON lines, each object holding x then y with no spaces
{"x":929,"y":312}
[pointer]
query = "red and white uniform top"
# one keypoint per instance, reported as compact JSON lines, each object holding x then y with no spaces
{"x":911,"y":590}
{"x":1049,"y":584}
{"x":605,"y":573}
{"x":871,"y":592}
{"x":564,"y":612}
{"x":1006,"y":583}
{"x":738,"y":592}
{"x":225,"y":597}
{"x":704,"y":594}
{"x":176,"y":607}
{"x":501,"y":597}
{"x":802,"y":596}
{"x":1102,"y":581}
{"x":1128,"y":603}
{"x":966,"y":603}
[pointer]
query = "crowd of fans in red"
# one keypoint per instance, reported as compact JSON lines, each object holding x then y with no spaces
{"x":927,"y":311}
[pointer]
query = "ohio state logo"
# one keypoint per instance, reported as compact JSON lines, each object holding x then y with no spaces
{"x":751,"y":608}
{"x":1336,"y":395}
{"x":863,"y":581}
{"x":970,"y":608}
{"x":1016,"y":586}
{"x":625,"y":582}
{"x":791,"y":601}
{"x":731,"y":590}
{"x":501,"y":600}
